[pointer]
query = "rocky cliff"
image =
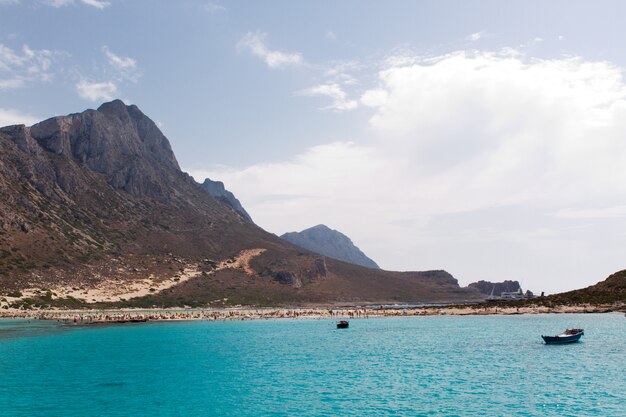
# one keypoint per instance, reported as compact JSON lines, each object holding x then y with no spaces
{"x":117,"y":141}
{"x":217,"y":190}
{"x":94,"y":210}
{"x":326,"y":241}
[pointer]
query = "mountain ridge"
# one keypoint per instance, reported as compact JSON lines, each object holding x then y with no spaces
{"x":97,"y":198}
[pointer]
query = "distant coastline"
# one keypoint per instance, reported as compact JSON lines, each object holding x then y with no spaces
{"x":314,"y":312}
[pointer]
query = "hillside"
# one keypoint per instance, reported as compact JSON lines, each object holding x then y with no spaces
{"x":95,"y":209}
{"x":326,"y":241}
{"x":611,"y":290}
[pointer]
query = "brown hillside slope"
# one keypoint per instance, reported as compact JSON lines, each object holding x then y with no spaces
{"x":95,"y":209}
{"x":611,"y":290}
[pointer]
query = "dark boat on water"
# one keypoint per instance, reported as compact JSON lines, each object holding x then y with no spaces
{"x":342,"y":324}
{"x":568,"y":336}
{"x":68,"y":322}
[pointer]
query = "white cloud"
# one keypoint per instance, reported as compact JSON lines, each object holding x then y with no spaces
{"x":119,"y":62}
{"x":11,"y":83}
{"x":339,"y":97}
{"x":475,"y":36}
{"x":19,"y":68}
{"x":330,"y":35}
{"x":338,"y":77}
{"x":497,"y":116}
{"x":94,"y":91}
{"x":341,"y":72}
{"x":255,"y":44}
{"x":15,"y":117}
{"x":57,"y":3}
{"x":314,"y":182}
{"x":98,"y":4}
{"x":212,"y":7}
{"x":467,"y":154}
{"x":120,"y":70}
{"x":8,"y":2}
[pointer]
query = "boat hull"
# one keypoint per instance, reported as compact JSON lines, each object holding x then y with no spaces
{"x":554,"y":340}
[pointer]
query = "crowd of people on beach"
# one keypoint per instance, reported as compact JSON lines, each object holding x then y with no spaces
{"x":251,"y":313}
{"x":87,"y":317}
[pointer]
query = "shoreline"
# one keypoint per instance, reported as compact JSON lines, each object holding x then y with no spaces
{"x":106,"y":316}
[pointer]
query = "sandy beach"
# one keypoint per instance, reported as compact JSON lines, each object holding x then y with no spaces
{"x":318,"y":312}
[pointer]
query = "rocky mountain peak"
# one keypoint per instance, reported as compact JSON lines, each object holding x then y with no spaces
{"x":321,"y":228}
{"x":115,"y":107}
{"x":122,"y":143}
{"x":116,"y":140}
{"x":326,"y":241}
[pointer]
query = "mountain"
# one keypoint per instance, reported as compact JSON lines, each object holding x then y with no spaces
{"x":326,"y":241}
{"x":486,"y":287}
{"x":95,"y":211}
{"x":216,"y":189}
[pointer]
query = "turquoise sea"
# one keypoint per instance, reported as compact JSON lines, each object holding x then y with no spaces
{"x":414,"y":366}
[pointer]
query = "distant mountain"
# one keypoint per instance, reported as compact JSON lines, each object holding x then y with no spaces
{"x":486,"y":287}
{"x":216,"y":189}
{"x":326,"y":241}
{"x":95,"y":203}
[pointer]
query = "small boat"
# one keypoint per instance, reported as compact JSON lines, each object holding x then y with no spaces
{"x":568,"y":336}
{"x":342,"y":324}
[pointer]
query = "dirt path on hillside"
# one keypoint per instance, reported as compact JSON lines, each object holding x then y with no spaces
{"x":114,"y":290}
{"x":241,"y":261}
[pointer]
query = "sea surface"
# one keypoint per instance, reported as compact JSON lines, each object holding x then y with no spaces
{"x":414,"y":366}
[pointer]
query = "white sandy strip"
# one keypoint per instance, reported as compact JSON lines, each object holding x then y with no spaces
{"x":115,"y":291}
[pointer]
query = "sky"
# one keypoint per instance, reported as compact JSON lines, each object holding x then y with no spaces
{"x":486,"y":138}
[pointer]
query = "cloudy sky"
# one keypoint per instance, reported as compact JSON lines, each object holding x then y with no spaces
{"x":486,"y":138}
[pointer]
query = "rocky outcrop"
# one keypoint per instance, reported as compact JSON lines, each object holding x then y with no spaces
{"x":289,"y":278}
{"x":288,"y":272}
{"x":325,"y":241}
{"x":486,"y":287}
{"x":217,"y":190}
{"x":320,"y":267}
